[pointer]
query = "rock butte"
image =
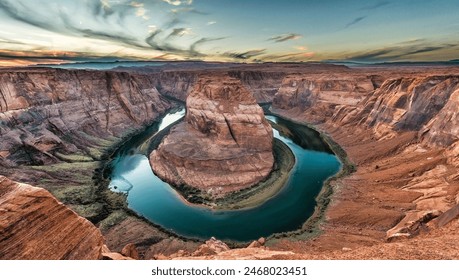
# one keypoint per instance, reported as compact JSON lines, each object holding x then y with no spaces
{"x":225,"y":143}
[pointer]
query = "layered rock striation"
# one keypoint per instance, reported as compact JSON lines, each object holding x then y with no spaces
{"x":47,"y":114}
{"x":225,"y":143}
{"x":409,"y":123}
{"x":34,"y":225}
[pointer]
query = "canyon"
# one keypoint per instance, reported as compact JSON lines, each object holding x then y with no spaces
{"x":397,"y":125}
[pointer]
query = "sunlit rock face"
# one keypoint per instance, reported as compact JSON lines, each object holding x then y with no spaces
{"x":47,"y":113}
{"x":35,"y":226}
{"x":224,"y":144}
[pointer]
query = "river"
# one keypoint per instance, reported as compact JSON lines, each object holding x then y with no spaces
{"x":158,"y":202}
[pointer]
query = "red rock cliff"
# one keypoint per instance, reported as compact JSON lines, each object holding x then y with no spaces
{"x":34,"y":225}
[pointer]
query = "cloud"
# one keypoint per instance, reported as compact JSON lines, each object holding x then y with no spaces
{"x":150,"y":40}
{"x":402,"y":51}
{"x":140,"y":10}
{"x":15,"y":11}
{"x":192,"y":51}
{"x":301,"y":48}
{"x":107,"y":36}
{"x":211,"y":22}
{"x":179,"y":32}
{"x":245,"y":55}
{"x":355,"y":21}
{"x":106,"y":9}
{"x":285,"y":37}
{"x":101,"y":8}
{"x":178,"y":2}
{"x":100,"y":18}
{"x":195,"y":45}
{"x":62,"y":22}
{"x":375,"y":5}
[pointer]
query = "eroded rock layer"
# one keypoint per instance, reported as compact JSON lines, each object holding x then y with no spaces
{"x":46,"y":115}
{"x":34,"y":225}
{"x":402,"y":136}
{"x":225,"y":143}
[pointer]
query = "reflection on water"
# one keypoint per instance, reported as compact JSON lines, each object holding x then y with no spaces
{"x":171,"y":118}
{"x":119,"y":184}
{"x":288,"y":210}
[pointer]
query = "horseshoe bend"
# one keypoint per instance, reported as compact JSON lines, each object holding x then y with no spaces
{"x":66,"y":134}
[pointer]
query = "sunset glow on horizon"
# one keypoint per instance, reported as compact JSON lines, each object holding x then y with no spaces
{"x":56,"y":31}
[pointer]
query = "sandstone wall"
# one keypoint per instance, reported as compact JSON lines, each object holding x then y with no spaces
{"x":44,"y":112}
{"x":34,"y":225}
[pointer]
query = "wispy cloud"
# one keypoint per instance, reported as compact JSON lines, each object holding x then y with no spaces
{"x":285,"y":37}
{"x":178,"y":2}
{"x":140,"y":10}
{"x":246,"y":54}
{"x":211,"y":22}
{"x":193,"y":47}
{"x":355,"y":21}
{"x":179,"y":32}
{"x":14,"y":11}
{"x":402,"y":51}
{"x":159,"y":38}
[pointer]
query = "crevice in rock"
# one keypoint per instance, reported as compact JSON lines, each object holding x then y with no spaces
{"x":231,"y":130}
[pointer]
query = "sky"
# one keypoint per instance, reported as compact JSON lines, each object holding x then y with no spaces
{"x":56,"y":31}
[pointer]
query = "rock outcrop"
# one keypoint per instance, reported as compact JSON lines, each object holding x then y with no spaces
{"x":214,"y":249}
{"x":34,"y":225}
{"x":262,"y":84}
{"x":225,"y":143}
{"x":176,"y":84}
{"x":322,"y":95}
{"x":211,"y":247}
{"x":409,"y":123}
{"x":416,"y":104}
{"x":47,"y":114}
